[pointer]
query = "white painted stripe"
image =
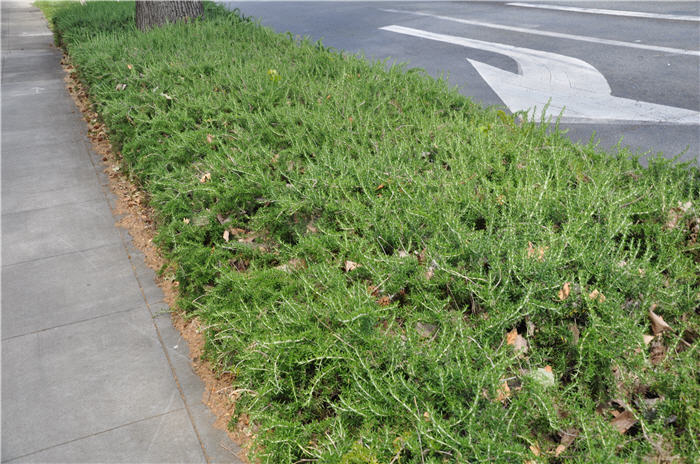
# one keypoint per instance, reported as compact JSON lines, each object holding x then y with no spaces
{"x":583,"y":38}
{"x":632,"y":14}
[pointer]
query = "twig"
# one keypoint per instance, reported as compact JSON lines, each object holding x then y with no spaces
{"x":420,"y":442}
{"x":484,"y":352}
{"x":625,"y":205}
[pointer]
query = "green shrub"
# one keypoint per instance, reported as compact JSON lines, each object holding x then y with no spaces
{"x":276,"y":165}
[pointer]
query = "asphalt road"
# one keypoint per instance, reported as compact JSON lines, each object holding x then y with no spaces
{"x":633,"y":75}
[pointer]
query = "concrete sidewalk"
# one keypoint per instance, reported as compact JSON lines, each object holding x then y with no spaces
{"x":92,"y":369}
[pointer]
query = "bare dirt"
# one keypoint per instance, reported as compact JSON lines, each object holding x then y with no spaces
{"x":133,"y":214}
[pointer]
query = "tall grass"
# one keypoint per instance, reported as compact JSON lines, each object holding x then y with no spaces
{"x":359,"y":241}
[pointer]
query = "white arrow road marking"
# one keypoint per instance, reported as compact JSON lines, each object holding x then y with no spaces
{"x":559,"y":35}
{"x":567,"y":84}
{"x":632,"y":14}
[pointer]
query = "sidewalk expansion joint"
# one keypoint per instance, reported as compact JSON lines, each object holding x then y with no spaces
{"x":80,"y":321}
{"x":93,"y":435}
{"x":58,"y":255}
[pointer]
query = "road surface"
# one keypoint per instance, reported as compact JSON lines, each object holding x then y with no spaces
{"x":619,"y":70}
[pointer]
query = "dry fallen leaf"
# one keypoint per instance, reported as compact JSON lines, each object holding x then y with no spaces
{"x":530,"y":327}
{"x":350,"y":266}
{"x":568,"y":436}
{"x":662,"y":450}
{"x":575,"y":333}
{"x":292,"y":265}
{"x":658,"y":325}
{"x":517,"y":341}
{"x":384,"y":301}
{"x":535,"y":448}
{"x":597,"y":295}
{"x":403,"y":254}
{"x":564,"y":292}
{"x":675,"y":214}
{"x":503,"y":392}
{"x":226,"y":235}
{"x":560,"y":449}
{"x":647,"y":338}
{"x":311,"y":228}
{"x":237,"y":232}
{"x":430,"y":272}
{"x":210,"y":138}
{"x":250,"y":238}
{"x":657,"y":353}
{"x":623,"y":421}
{"x":186,"y":220}
{"x":205,"y":177}
{"x":421,"y":255}
{"x":536,"y":252}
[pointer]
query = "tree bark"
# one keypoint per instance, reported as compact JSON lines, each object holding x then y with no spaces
{"x":150,"y":14}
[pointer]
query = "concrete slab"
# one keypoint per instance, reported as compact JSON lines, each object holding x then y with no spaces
{"x":23,"y":67}
{"x":166,"y":438}
{"x":26,"y":30}
{"x":218,"y":445}
{"x":179,"y":353}
{"x":50,"y":175}
{"x":26,"y":42}
{"x":49,"y":86}
{"x":23,"y":159}
{"x":57,"y":133}
{"x":74,"y":287}
{"x":35,"y":110}
{"x":86,"y":377}
{"x":26,"y":197}
{"x":73,"y":381}
{"x":47,"y":232}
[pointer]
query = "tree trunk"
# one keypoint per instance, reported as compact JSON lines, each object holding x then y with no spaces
{"x":153,"y":14}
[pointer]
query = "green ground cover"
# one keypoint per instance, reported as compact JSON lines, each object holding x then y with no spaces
{"x":392,"y":273}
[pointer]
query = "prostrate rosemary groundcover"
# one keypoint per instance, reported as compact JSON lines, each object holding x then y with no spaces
{"x":392,"y":273}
